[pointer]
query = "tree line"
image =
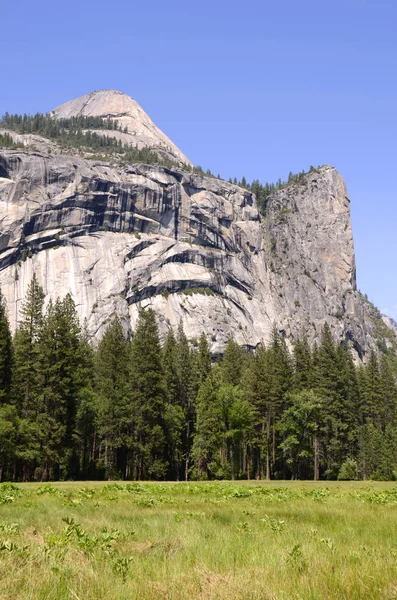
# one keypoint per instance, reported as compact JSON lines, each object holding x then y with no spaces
{"x":77,"y":132}
{"x":6,"y":141}
{"x":262,"y":191}
{"x":133,"y":409}
{"x":49,"y":126}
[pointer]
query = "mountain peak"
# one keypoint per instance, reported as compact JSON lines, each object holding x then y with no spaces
{"x":102,"y":103}
{"x":115,"y":105}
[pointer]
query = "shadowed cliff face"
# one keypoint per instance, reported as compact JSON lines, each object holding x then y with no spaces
{"x":120,"y":238}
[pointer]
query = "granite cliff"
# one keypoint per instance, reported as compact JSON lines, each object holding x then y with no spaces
{"x":120,"y":237}
{"x":138,"y":129}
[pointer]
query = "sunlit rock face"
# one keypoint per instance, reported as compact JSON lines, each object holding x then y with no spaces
{"x":120,"y":238}
{"x":116,"y":106}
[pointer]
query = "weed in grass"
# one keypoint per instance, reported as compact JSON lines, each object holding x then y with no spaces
{"x":276,"y":525}
{"x":9,"y":527}
{"x":296,"y":558}
{"x":120,"y":566}
{"x":48,"y":488}
{"x":244,"y":527}
{"x":13,"y":548}
{"x":146,"y":502}
{"x":9,"y":492}
{"x":329,"y":543}
{"x":354,"y":556}
{"x":320,"y":495}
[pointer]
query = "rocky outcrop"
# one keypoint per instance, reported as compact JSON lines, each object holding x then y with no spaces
{"x":310,"y":257}
{"x":114,"y":105}
{"x":120,"y":238}
{"x":194,"y":248}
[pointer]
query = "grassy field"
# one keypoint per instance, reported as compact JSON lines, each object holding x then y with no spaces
{"x":277,"y":540}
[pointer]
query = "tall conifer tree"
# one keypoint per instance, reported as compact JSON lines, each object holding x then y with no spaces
{"x":149,"y":397}
{"x":6,"y":353}
{"x":27,"y":371}
{"x":115,"y":410}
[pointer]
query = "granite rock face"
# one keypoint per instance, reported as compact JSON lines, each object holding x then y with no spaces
{"x":123,"y":238}
{"x":310,"y":257}
{"x":114,"y":105}
{"x":194,"y":248}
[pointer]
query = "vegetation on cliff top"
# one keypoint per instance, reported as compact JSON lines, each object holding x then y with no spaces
{"x":81,"y":133}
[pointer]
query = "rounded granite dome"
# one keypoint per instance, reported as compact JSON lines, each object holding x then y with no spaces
{"x":139,"y":128}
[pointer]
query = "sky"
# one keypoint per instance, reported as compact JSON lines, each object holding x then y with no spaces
{"x":256,"y":88}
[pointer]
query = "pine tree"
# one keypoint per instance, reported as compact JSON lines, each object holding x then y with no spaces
{"x":209,"y":429}
{"x":326,"y":376}
{"x":257,"y":384}
{"x":6,"y":353}
{"x":348,"y":406}
{"x":26,"y":379}
{"x":389,"y":394}
{"x":27,"y":366}
{"x":8,"y":438}
{"x":174,"y":413}
{"x":232,"y":364}
{"x":303,"y":366}
{"x":149,"y":397}
{"x":372,"y":392}
{"x":187,"y":381}
{"x":169,"y":360}
{"x":87,"y":408}
{"x":114,"y":410}
{"x":336,"y":385}
{"x":60,"y":362}
{"x":203,"y":362}
{"x":370,"y":450}
{"x":281,"y":371}
{"x":183,"y":369}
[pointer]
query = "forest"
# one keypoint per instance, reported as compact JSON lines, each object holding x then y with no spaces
{"x":131,"y":408}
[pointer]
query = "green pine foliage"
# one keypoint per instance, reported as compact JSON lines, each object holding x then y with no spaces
{"x":6,"y":353}
{"x":209,"y":429}
{"x":130,"y":408}
{"x":149,"y":399}
{"x":113,"y":411}
{"x":26,"y":378}
{"x":262,"y":191}
{"x":80,"y":132}
{"x":6,"y":141}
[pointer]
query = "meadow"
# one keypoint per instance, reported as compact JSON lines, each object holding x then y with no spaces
{"x":221,"y":540}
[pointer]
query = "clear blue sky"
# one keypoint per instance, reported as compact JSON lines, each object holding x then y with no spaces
{"x":254,"y":88}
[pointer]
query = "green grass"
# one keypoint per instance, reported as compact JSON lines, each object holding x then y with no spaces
{"x":251,"y":540}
